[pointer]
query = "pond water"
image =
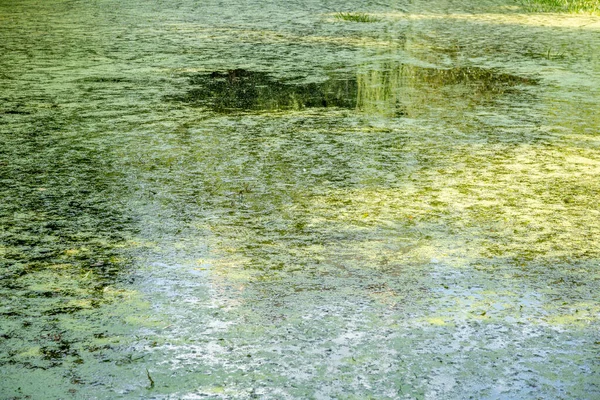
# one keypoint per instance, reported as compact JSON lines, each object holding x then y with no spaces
{"x":261,"y":200}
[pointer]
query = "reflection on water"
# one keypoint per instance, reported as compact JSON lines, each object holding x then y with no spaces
{"x":402,"y":89}
{"x":387,"y":90}
{"x":238,"y":89}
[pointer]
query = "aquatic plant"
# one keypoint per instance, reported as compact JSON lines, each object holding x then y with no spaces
{"x":571,"y":6}
{"x":150,"y":378}
{"x":355,"y":17}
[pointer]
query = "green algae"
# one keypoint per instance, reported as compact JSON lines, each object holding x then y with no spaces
{"x":570,"y":6}
{"x":431,"y":235}
{"x":355,"y":17}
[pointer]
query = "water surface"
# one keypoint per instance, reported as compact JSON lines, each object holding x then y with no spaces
{"x":259,"y":200}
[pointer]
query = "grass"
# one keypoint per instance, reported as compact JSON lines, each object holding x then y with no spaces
{"x":355,"y":17}
{"x":569,"y":6}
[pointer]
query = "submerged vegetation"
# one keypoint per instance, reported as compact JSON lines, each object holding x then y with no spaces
{"x":355,"y":17}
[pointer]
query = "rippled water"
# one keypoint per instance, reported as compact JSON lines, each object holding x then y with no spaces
{"x":260,"y":200}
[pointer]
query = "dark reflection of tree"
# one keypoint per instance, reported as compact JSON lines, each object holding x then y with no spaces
{"x":395,"y":89}
{"x":242,"y":90}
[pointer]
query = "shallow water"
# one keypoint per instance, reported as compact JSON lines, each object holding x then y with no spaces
{"x":202,"y":200}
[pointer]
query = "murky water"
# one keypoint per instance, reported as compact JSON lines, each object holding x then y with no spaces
{"x":259,"y":200}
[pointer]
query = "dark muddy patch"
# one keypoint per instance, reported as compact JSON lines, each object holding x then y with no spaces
{"x":242,"y":90}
